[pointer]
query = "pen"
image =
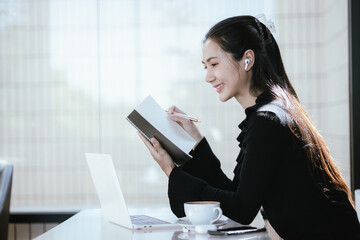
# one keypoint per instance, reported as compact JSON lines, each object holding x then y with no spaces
{"x":193,"y":119}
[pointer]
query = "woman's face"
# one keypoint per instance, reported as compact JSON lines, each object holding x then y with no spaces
{"x":226,"y":75}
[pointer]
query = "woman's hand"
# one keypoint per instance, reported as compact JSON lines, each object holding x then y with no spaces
{"x":159,"y":154}
{"x":186,"y":124}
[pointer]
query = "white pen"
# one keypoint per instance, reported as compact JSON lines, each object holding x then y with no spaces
{"x":193,"y":119}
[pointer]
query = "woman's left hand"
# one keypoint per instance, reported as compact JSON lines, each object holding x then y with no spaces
{"x":159,"y":154}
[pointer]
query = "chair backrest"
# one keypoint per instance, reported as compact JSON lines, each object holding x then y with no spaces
{"x":6,"y":172}
{"x":357,"y":202}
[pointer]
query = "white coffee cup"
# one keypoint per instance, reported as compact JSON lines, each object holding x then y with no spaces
{"x":202,"y":212}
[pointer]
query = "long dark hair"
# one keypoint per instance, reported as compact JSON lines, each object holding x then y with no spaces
{"x":235,"y":35}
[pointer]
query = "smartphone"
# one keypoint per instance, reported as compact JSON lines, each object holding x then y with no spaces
{"x":236,"y":231}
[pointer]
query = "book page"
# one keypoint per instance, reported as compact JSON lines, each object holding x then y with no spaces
{"x":157,"y":116}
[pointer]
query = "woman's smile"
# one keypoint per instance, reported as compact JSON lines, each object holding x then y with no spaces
{"x":219,"y":87}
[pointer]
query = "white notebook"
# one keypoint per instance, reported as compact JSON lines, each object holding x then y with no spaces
{"x":152,"y":121}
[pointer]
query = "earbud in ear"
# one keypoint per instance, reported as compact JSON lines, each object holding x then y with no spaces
{"x":247,"y":61}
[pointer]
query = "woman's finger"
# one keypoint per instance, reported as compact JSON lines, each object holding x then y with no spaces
{"x":158,"y":147}
{"x":146,"y":142}
{"x":152,"y":150}
{"x":173,"y":108}
{"x":179,"y":120}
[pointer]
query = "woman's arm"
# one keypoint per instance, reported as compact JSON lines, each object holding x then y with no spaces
{"x":265,"y":138}
{"x":206,"y":166}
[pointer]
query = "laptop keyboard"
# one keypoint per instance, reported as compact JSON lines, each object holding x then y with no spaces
{"x":146,"y":220}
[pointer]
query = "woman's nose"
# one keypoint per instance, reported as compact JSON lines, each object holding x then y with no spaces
{"x":209,"y":76}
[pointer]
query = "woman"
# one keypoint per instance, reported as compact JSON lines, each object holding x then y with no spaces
{"x":284,"y":164}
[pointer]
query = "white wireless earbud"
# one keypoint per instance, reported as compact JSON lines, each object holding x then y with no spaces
{"x":247,"y":61}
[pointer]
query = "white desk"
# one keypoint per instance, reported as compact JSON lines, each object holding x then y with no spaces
{"x":90,"y":224}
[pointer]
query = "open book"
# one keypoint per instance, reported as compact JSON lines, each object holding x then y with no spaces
{"x":152,"y":121}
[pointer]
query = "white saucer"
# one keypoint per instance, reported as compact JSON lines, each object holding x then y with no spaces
{"x":186,"y":223}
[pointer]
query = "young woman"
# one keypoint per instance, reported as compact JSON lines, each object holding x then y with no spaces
{"x":284,"y":164}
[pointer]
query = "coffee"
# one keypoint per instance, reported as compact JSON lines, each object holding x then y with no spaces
{"x":201,"y":202}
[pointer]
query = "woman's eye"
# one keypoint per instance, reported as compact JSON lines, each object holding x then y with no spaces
{"x":213,"y":65}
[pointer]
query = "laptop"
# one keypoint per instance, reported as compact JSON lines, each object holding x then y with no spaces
{"x":111,"y":198}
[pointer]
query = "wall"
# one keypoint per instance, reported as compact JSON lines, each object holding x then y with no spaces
{"x":313,"y":38}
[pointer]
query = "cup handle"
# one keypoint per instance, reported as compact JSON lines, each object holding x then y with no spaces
{"x":218,"y":216}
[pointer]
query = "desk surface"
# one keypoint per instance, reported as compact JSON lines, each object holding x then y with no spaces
{"x":90,"y":224}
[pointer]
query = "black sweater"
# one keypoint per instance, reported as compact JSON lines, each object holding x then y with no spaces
{"x":272,"y":171}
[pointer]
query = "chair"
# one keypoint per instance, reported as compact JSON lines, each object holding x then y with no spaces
{"x":6,"y":172}
{"x":357,"y":202}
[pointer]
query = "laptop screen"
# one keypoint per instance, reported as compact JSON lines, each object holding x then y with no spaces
{"x":108,"y":189}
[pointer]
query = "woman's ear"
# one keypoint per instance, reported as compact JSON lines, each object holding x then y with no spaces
{"x":248,"y":60}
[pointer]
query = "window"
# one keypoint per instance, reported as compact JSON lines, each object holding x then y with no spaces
{"x":71,"y":71}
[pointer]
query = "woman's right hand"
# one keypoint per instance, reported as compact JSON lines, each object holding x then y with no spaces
{"x":186,"y":124}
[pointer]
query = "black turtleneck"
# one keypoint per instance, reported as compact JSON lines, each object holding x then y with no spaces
{"x":272,"y":172}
